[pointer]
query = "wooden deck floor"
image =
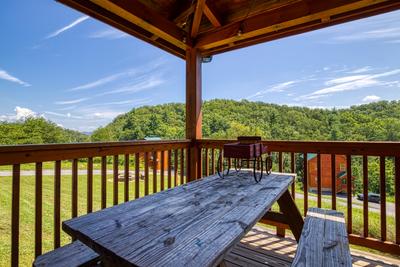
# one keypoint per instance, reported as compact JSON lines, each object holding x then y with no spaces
{"x":262,"y":247}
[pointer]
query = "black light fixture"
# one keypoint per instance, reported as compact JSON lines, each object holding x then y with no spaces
{"x":206,"y":59}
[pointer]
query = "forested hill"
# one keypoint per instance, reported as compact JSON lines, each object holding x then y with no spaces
{"x":37,"y":131}
{"x":229,"y":118}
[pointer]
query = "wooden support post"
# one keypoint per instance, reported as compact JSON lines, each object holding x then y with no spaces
{"x":193,"y":108}
{"x":292,"y":214}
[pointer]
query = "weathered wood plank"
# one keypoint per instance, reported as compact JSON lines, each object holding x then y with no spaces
{"x":195,"y":224}
{"x":74,"y":254}
{"x":324,"y":240}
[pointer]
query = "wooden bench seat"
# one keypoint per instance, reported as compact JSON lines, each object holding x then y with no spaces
{"x":71,"y":255}
{"x":324,"y":240}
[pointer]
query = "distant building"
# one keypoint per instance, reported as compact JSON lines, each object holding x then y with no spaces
{"x":326,"y":180}
{"x":154,"y":158}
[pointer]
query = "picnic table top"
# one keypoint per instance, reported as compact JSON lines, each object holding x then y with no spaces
{"x":194,"y":224}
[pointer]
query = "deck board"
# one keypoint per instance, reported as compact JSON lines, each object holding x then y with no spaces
{"x":261,"y":247}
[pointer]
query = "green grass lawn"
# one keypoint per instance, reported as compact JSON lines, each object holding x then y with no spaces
{"x":27,"y":212}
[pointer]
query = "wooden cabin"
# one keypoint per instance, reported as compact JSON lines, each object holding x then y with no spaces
{"x":326,"y":173}
{"x":193,"y":30}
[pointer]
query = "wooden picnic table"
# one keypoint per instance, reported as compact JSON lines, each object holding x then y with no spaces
{"x":195,"y":224}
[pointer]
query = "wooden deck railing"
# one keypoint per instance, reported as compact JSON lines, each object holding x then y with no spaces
{"x":289,"y":154}
{"x":93,"y":176}
{"x":171,"y":157}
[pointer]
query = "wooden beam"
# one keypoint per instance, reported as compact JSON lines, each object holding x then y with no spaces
{"x":307,"y":27}
{"x":198,"y":14}
{"x":297,"y":14}
{"x":193,"y":108}
{"x":181,"y":18}
{"x":148,"y":19}
{"x":117,"y":22}
{"x":212,"y":15}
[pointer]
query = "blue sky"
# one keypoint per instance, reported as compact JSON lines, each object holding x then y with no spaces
{"x":81,"y":73}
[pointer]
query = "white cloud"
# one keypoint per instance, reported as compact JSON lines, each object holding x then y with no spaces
{"x":361,"y":70}
{"x":345,"y":79}
{"x":24,"y":113}
{"x":279,"y":87}
{"x":20,"y":114}
{"x":383,"y":33}
{"x":350,"y":83}
{"x":8,"y":77}
{"x":110,"y":34}
{"x":69,"y":102}
{"x":371,"y":98}
{"x":141,"y":85}
{"x":69,"y":26}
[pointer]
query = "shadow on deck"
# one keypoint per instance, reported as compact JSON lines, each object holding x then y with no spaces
{"x":261,"y":247}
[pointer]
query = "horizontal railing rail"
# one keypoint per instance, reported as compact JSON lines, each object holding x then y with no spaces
{"x":292,"y":156}
{"x":78,"y":180}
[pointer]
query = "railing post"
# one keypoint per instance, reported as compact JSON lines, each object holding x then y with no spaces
{"x":193,"y":108}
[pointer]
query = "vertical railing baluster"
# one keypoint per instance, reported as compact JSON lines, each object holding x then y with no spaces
{"x":74,"y":201}
{"x":155,"y":172}
{"x":103,"y":182}
{"x":305,"y":183}
{"x":365,"y":192}
{"x":90,"y":185}
{"x":137,"y":175}
{"x":182,"y":166}
{"x":146,"y":173}
{"x":319,"y":180}
{"x":206,"y":161}
{"x":126,"y":178}
{"x":333,"y":180}
{"x":176,"y":167}
{"x":221,"y":167}
{"x":187,"y":164}
{"x":293,"y":170}
{"x":57,"y":203}
{"x":349,"y":195}
{"x":169,"y":168}
{"x":212,"y":161}
{"x":397,"y":197}
{"x":38,"y":208}
{"x":382,"y":190}
{"x":162,"y":170}
{"x":199,"y":164}
{"x":115,"y":180}
{"x":16,"y":183}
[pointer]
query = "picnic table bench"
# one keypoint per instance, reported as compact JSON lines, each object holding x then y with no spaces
{"x":195,"y":224}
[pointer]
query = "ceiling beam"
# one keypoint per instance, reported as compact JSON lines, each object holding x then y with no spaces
{"x":182,"y":17}
{"x":212,"y":15}
{"x":148,"y":19}
{"x":121,"y":24}
{"x":269,"y":22}
{"x":309,"y":26}
{"x":198,"y":14}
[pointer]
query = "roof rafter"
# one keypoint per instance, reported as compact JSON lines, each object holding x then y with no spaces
{"x":277,"y":20}
{"x":146,"y":18}
{"x":212,"y":15}
{"x":198,"y":13}
{"x":109,"y":18}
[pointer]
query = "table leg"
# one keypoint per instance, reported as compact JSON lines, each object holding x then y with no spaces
{"x":292,"y":214}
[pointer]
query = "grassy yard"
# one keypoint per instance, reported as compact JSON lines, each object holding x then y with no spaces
{"x":27,"y":211}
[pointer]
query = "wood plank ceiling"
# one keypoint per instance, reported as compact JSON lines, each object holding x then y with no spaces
{"x":216,"y":26}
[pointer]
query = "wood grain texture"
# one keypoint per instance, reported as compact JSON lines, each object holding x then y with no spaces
{"x":137,"y":175}
{"x":74,"y":254}
{"x":323,"y":240}
{"x":382,"y":190}
{"x":89,"y":188}
{"x":195,"y":224}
